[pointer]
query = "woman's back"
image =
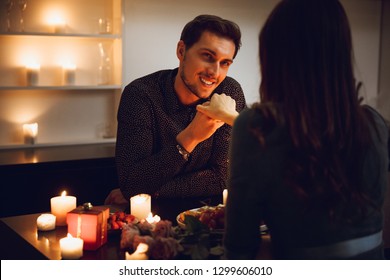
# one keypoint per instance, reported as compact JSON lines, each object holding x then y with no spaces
{"x":258,"y":186}
{"x":309,"y":159}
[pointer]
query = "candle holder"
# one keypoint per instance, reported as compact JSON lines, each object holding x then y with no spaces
{"x":104,"y":70}
{"x":69,"y":74}
{"x":8,"y":5}
{"x":32,"y":74}
{"x":105,"y":26}
{"x":22,"y":7}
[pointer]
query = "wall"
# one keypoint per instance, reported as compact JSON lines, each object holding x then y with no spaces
{"x":152,"y":30}
{"x":384,"y":77}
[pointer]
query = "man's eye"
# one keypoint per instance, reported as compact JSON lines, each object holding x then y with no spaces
{"x":207,"y":56}
{"x":226,"y":63}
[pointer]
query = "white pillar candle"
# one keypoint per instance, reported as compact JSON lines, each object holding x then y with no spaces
{"x":32,"y":74}
{"x":46,"y":222}
{"x":224,"y":196}
{"x":60,"y":206}
{"x":140,"y":206}
{"x":30,"y":133}
{"x":69,"y":71}
{"x":71,"y":247}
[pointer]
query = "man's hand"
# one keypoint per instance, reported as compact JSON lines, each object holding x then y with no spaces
{"x":201,"y":128}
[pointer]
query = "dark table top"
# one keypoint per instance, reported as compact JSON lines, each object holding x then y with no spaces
{"x":21,"y":240}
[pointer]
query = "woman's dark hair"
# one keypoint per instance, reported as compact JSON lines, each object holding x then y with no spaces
{"x":194,"y":29}
{"x":306,"y":62}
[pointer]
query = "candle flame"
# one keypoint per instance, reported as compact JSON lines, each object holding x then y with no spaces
{"x":69,"y":235}
{"x":69,"y":66}
{"x":63,"y":193}
{"x":33,"y":65}
{"x":30,"y":129}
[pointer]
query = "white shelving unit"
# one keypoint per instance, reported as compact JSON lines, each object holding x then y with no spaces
{"x":75,"y":106}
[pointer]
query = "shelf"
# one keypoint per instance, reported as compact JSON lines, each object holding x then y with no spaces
{"x":58,"y":144}
{"x":107,"y":36}
{"x":67,"y":105}
{"x":91,"y":87}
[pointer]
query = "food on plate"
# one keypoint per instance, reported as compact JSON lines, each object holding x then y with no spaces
{"x":211,"y":216}
{"x":119,"y":218}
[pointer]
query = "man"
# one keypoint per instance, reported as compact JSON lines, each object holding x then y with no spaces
{"x":164,"y":146}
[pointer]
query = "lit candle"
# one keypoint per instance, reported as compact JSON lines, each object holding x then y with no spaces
{"x":152,"y":219}
{"x":225,"y":195}
{"x":32,"y":74}
{"x":59,"y":25}
{"x":71,"y":247}
{"x":140,"y":253}
{"x":140,"y":206}
{"x":46,"y":222}
{"x":30,"y":133}
{"x":69,"y":71}
{"x":60,"y":206}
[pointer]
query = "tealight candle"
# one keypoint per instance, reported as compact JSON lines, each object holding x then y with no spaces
{"x":69,"y":71}
{"x":30,"y":133}
{"x":140,"y":206}
{"x":46,"y":222}
{"x":71,"y":247}
{"x":152,"y":219}
{"x":140,"y":253}
{"x":32,"y":74}
{"x":60,"y":206}
{"x":224,"y":196}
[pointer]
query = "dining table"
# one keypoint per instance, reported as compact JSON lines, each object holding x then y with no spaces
{"x":21,"y":240}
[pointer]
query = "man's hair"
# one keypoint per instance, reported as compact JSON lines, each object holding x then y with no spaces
{"x":193,"y":30}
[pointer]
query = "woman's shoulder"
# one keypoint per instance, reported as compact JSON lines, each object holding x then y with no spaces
{"x":261,"y":113}
{"x":382,"y":126}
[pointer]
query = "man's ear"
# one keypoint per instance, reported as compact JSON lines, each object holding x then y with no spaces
{"x":180,"y":50}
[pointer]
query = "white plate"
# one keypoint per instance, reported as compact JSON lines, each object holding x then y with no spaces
{"x":196,"y":211}
{"x":263,"y":227}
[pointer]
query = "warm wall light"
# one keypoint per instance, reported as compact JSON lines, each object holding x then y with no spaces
{"x":58,"y":23}
{"x":30,"y":133}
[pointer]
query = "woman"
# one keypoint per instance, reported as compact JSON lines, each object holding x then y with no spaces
{"x":309,"y":160}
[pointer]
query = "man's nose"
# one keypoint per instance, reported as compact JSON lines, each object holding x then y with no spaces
{"x":213,"y":69}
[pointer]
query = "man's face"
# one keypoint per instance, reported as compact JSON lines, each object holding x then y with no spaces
{"x":203,"y":66}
